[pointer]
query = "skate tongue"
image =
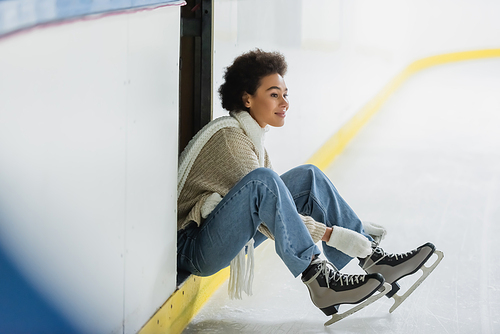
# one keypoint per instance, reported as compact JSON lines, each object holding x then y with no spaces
{"x":328,"y":270}
{"x":331,"y":265}
{"x":320,"y":267}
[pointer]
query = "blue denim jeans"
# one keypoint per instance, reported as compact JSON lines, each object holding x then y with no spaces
{"x":264,"y":196}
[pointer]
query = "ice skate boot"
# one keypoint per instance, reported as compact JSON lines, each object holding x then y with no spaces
{"x":393,"y":267}
{"x":329,"y":288}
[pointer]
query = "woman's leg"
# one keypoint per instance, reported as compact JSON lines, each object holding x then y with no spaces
{"x":261,"y":196}
{"x":316,"y":196}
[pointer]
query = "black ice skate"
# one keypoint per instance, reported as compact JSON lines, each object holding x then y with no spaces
{"x":396,"y":266}
{"x":329,"y":288}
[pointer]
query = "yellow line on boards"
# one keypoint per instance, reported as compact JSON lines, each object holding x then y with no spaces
{"x":187,"y":300}
{"x":184,"y":304}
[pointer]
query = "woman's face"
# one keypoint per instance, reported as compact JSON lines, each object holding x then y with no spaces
{"x":269,"y":104}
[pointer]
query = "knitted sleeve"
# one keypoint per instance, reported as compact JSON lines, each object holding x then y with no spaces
{"x":224,"y":160}
{"x":232,"y":154}
{"x":316,"y":229}
{"x":244,"y":159}
{"x":267,"y":161}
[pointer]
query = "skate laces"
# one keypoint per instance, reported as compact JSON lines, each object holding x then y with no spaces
{"x":383,"y":255}
{"x":331,"y":273}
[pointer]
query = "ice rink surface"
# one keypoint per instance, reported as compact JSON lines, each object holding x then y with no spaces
{"x":427,"y":167}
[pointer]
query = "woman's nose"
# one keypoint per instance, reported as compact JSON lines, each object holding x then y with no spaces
{"x":284,"y":101}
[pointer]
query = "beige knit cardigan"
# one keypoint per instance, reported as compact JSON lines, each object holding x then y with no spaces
{"x":219,"y":156}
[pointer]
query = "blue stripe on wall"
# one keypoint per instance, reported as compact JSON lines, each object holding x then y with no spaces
{"x":21,"y":14}
{"x":23,"y":309}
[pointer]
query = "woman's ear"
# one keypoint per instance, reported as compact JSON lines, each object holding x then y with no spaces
{"x":246,"y":100}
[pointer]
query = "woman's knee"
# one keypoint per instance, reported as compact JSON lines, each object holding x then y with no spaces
{"x":312,"y":169}
{"x":315,"y":174}
{"x":304,"y":171}
{"x":264,"y":178}
{"x":263,"y":174}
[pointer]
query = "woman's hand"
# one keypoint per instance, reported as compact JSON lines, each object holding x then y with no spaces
{"x":349,"y":242}
{"x":376,"y":231}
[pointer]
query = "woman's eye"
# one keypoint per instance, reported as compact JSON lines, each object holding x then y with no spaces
{"x":274,"y":95}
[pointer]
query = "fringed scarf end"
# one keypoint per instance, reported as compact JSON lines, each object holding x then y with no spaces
{"x":241,"y":272}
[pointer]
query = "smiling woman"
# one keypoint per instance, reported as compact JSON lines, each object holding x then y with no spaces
{"x":254,"y":82}
{"x":230,"y":201}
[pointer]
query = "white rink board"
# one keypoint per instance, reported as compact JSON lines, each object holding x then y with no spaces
{"x":88,"y":165}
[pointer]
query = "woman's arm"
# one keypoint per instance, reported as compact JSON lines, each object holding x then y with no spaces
{"x":328,"y":234}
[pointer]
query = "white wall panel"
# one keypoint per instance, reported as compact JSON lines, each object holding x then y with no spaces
{"x":151,"y":218}
{"x":88,"y":158}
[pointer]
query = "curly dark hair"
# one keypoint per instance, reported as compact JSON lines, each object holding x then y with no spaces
{"x":245,"y":73}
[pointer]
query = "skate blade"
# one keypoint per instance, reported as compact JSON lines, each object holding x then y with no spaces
{"x":336,"y":317}
{"x":426,"y":272}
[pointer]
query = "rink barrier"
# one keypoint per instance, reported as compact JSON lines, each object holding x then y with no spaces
{"x":184,"y":303}
{"x":187,"y":300}
{"x":21,"y":16}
